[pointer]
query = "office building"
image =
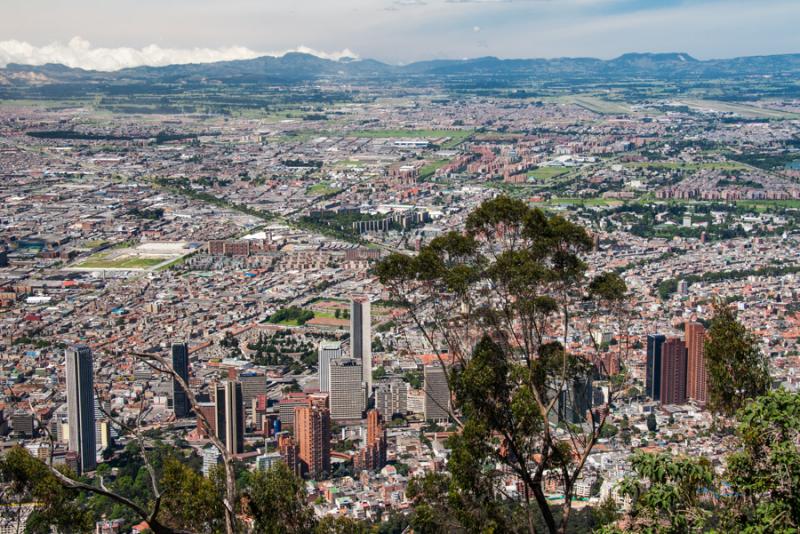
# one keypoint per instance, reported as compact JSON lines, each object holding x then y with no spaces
{"x":313,"y":433}
{"x":229,"y":409}
{"x":373,"y":455}
{"x":22,"y":423}
{"x":180,"y":364}
{"x":673,"y":371}
{"x":653,"y":369}
{"x":80,"y":407}
{"x":328,"y":350}
{"x":361,"y":337}
{"x":437,"y":394}
{"x":253,"y":385}
{"x":346,"y":393}
{"x":391,"y":397}
{"x":211,"y":458}
{"x":575,"y":400}
{"x":696,"y":374}
{"x":286,"y":407}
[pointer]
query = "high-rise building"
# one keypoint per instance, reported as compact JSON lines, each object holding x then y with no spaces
{"x":653,"y":370}
{"x":230,"y":415}
{"x":80,"y":406}
{"x":575,"y":399}
{"x":328,"y":350}
{"x":180,"y":364}
{"x":312,"y":428}
{"x":391,"y":397}
{"x":289,"y":452}
{"x":286,"y":407}
{"x":673,"y":371}
{"x":373,"y":455}
{"x":437,"y":394}
{"x":361,"y":337}
{"x":696,"y":374}
{"x":346,"y":392}
{"x":253,"y":385}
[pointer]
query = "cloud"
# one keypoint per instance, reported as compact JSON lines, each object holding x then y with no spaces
{"x":79,"y":53}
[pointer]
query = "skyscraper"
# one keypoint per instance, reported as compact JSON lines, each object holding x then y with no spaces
{"x":80,"y":406}
{"x":373,"y":455}
{"x":653,"y":371}
{"x":437,"y":394}
{"x":346,"y":393}
{"x":230,"y":415}
{"x":391,"y":397}
{"x":180,"y":364}
{"x":696,"y":375}
{"x":361,"y":337}
{"x":328,"y":350}
{"x":673,"y":371}
{"x":312,"y":428}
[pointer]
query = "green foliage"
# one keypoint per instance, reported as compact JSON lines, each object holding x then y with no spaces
{"x":276,"y":500}
{"x":768,"y":464}
{"x":666,"y":494}
{"x":652,"y":425}
{"x":30,"y":481}
{"x":737,"y":370}
{"x":292,"y":314}
{"x":512,"y":275}
{"x":190,"y":500}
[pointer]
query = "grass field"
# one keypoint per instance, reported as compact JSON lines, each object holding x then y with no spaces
{"x":456,"y":136}
{"x":596,"y":104}
{"x":100,"y":261}
{"x":565,"y":201}
{"x":763,"y":204}
{"x":430,"y":169}
{"x":547,"y":173}
{"x":676,"y":165}
{"x":322,"y":188}
{"x":744,"y":110}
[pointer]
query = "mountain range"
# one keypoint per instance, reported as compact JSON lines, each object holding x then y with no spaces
{"x":680,"y":69}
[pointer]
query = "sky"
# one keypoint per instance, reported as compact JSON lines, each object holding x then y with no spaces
{"x":113,"y":34}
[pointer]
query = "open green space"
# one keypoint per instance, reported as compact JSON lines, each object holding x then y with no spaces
{"x":101,"y":261}
{"x":568,"y":201}
{"x":745,"y":110}
{"x":430,"y":169}
{"x":546,"y":173}
{"x":596,"y":104}
{"x":679,"y":165}
{"x":322,"y":188}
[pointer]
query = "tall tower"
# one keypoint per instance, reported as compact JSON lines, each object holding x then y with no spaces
{"x":653,"y":372}
{"x":696,"y":375}
{"x":346,"y":397}
{"x":437,"y":394}
{"x":180,"y":364}
{"x":673,"y":371}
{"x":80,"y":406}
{"x":328,"y":350}
{"x":361,"y":337}
{"x":230,"y":415}
{"x":312,"y":428}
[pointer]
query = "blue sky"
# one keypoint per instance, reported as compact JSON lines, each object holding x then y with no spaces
{"x":396,"y":31}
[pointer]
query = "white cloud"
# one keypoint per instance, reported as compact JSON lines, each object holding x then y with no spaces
{"x":79,"y":53}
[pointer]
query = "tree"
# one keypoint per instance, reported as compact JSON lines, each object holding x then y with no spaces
{"x":652,"y":425}
{"x":737,"y":370}
{"x":276,"y":500}
{"x":489,"y":302}
{"x":768,"y":465}
{"x":28,"y":480}
{"x":666,"y":494}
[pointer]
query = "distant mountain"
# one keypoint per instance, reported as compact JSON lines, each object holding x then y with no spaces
{"x":482,"y":73}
